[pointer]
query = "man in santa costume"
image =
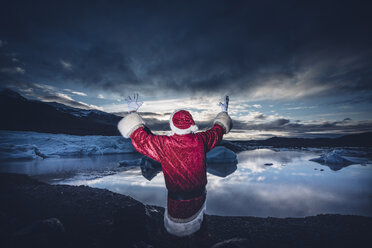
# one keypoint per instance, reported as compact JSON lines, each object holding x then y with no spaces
{"x":183,"y":159}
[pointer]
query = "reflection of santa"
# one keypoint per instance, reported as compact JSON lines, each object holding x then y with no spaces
{"x":183,"y":158}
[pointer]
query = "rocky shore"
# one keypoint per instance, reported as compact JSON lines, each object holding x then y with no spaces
{"x":35,"y":214}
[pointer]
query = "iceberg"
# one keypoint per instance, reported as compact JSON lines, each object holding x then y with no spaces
{"x":34,"y":145}
{"x":221,"y":161}
{"x":333,"y":160}
{"x":221,"y":155}
{"x":149,"y":168}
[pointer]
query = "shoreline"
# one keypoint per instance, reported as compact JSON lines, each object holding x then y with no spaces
{"x":44,"y":215}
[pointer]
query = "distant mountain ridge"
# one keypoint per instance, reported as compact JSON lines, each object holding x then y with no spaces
{"x":351,"y":140}
{"x":361,"y":139}
{"x":20,"y":114}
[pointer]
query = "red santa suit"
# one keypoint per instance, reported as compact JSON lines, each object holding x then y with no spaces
{"x":183,"y":159}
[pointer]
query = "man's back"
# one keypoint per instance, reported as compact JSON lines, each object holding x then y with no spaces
{"x":182,"y":156}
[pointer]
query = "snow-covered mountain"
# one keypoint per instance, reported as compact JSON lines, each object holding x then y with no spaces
{"x":20,"y":114}
{"x":93,"y":114}
{"x":77,"y":111}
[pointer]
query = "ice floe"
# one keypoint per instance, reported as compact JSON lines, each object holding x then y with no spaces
{"x":32,"y":145}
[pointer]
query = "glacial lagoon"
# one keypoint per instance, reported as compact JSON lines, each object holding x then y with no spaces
{"x":264,"y":182}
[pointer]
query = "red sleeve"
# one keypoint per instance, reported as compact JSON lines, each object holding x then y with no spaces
{"x":147,"y":143}
{"x":212,"y":136}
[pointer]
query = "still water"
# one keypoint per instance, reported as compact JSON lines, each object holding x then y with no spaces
{"x":265,"y":182}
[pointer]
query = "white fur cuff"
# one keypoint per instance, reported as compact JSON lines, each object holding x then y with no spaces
{"x":224,"y":120}
{"x":129,"y":124}
{"x":187,"y":228}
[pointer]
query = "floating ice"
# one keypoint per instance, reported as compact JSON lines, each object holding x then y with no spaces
{"x":32,"y":145}
{"x":221,"y":155}
{"x":125,"y":163}
{"x":221,"y":161}
{"x":333,"y":160}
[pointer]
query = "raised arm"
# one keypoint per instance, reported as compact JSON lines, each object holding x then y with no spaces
{"x":222,"y":124}
{"x":132,"y":126}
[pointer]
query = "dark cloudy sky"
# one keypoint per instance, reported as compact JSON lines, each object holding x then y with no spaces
{"x":293,"y":68}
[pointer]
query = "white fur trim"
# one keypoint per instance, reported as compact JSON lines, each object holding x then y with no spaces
{"x":129,"y":124}
{"x":223,"y":119}
{"x":179,"y":131}
{"x":187,"y":228}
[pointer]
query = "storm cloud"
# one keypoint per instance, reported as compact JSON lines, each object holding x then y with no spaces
{"x":300,"y":49}
{"x":290,"y":67}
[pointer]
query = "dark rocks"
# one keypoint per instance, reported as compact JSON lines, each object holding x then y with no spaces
{"x":141,"y":244}
{"x":33,"y":214}
{"x":130,"y":222}
{"x":87,"y":214}
{"x":41,"y":233}
{"x":10,"y":180}
{"x":52,"y":226}
{"x":232,"y":243}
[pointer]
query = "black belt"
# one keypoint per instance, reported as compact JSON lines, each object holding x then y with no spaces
{"x":179,"y":196}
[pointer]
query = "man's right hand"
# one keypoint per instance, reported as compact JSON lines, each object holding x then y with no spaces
{"x":224,"y":106}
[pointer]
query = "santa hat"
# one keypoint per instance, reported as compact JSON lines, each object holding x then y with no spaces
{"x":181,"y":122}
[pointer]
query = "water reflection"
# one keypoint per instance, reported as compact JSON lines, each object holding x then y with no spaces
{"x":221,"y":170}
{"x":59,"y":169}
{"x":295,"y":189}
{"x":290,"y":187}
{"x":150,"y":168}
